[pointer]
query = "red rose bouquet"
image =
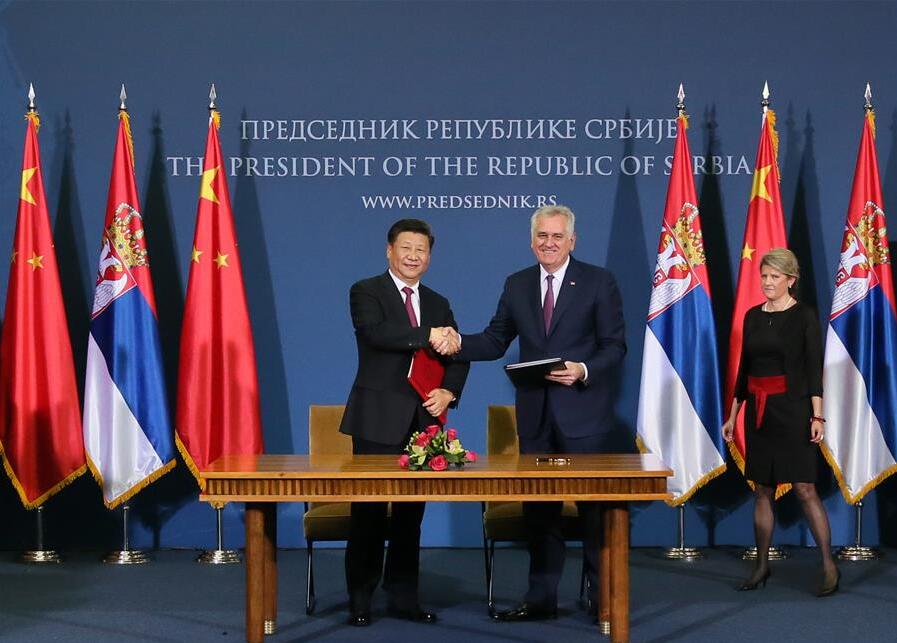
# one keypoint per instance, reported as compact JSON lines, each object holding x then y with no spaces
{"x":435,"y":448}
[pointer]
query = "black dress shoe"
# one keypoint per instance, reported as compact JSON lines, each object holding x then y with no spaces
{"x":830,"y":585}
{"x":526,"y":613}
{"x":359,"y":619}
{"x":757,"y":579}
{"x":416,"y":614}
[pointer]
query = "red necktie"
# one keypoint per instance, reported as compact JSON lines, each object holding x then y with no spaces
{"x":409,"y":308}
{"x":548,"y":304}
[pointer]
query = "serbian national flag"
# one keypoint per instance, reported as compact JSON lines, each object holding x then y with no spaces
{"x":218,"y":397}
{"x":763,"y":230}
{"x":127,"y":426}
{"x":679,"y":414}
{"x":860,"y":378}
{"x":40,"y":425}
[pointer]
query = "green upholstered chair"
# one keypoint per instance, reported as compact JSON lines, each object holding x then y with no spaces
{"x":503,"y":520}
{"x":324,"y":520}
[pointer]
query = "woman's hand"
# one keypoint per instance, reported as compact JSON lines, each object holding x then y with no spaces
{"x":817,"y":430}
{"x":729,"y":430}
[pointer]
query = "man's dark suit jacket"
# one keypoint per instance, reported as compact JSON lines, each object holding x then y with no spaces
{"x":382,"y":404}
{"x":587,"y":326}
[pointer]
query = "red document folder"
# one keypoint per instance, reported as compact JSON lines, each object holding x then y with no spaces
{"x":425,"y":374}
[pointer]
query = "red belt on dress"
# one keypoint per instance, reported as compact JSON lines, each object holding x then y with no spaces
{"x":761,"y":387}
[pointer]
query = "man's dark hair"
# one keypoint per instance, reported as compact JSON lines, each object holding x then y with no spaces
{"x":410,"y":225}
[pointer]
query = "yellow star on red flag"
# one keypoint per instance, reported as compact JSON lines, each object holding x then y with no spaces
{"x":221,"y":260}
{"x":748,"y":253}
{"x":758,"y":189}
{"x":206,"y":191}
{"x":25,"y":194}
{"x":196,"y":253}
{"x":35,"y":261}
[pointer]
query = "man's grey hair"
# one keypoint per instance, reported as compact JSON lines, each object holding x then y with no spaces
{"x":553,"y":211}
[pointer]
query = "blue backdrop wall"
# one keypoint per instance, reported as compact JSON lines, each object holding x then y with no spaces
{"x":588,"y":85}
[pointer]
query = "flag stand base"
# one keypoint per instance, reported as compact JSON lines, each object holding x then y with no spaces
{"x":683,"y":553}
{"x":857,"y":553}
{"x":127,"y":557}
{"x":40,"y":556}
{"x":775,"y":553}
{"x":220,"y":555}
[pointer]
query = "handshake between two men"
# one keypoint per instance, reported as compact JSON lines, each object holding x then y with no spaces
{"x":447,"y":341}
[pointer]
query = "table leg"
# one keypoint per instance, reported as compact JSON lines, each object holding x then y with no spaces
{"x":270,"y":567}
{"x":255,"y":571}
{"x":604,"y":574}
{"x":619,"y":572}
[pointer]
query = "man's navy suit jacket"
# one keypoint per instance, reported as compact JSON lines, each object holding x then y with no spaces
{"x":586,"y":326}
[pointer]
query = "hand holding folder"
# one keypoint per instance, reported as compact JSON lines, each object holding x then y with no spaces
{"x":532,"y":374}
{"x":425,"y":374}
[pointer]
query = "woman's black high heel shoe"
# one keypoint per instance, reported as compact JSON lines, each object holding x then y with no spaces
{"x":755,"y":581}
{"x":828,"y":586}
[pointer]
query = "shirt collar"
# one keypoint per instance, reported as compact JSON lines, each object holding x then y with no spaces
{"x":557,"y":274}
{"x":401,"y":284}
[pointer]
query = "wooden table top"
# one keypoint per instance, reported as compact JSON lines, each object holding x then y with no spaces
{"x":385,"y":466}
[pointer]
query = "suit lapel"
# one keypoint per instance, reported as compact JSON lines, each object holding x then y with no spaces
{"x":534,"y":295}
{"x":426,"y":307}
{"x":395,"y":301}
{"x":566,"y":295}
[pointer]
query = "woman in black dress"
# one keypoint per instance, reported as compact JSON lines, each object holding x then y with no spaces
{"x":780,"y":375}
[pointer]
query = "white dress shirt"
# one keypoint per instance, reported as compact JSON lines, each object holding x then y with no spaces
{"x":415,"y":294}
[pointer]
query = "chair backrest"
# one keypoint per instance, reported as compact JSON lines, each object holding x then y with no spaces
{"x":324,"y":437}
{"x":501,"y":431}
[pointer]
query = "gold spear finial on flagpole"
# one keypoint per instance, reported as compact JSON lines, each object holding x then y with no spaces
{"x":212,"y":96}
{"x":765,"y":102}
{"x":123,"y":96}
{"x":680,"y":106}
{"x":31,"y":96}
{"x":868,"y":96}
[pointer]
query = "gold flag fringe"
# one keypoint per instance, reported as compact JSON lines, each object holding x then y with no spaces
{"x":34,"y":504}
{"x":685,"y":497}
{"x":871,"y":116}
{"x":216,"y":118}
{"x":736,"y":456}
{"x":125,"y":118}
{"x":684,"y":118}
{"x":188,"y":460}
{"x":774,"y":137}
{"x":853,"y":498}
{"x":34,"y":118}
{"x":133,"y":491}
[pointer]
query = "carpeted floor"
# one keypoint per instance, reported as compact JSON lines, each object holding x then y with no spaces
{"x":175,"y":599}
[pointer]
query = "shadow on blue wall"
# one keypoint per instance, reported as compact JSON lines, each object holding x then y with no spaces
{"x":260,"y":296}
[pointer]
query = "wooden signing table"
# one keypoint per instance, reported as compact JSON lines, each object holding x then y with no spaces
{"x":262,"y":481}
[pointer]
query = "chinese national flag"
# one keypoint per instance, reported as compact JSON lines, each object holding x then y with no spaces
{"x":40,"y":418}
{"x":764,"y":230}
{"x":218,"y":397}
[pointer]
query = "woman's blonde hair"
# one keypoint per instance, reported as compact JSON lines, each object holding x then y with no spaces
{"x":784,"y":261}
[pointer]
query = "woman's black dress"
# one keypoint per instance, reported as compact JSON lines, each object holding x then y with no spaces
{"x":781,"y":343}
